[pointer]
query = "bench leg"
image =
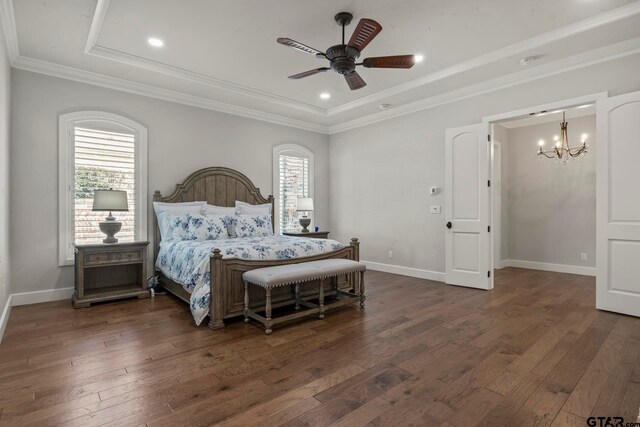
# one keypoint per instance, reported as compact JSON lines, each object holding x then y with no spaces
{"x":267,"y":313}
{"x":296,"y":288}
{"x":246,"y":302}
{"x":321,"y":299}
{"x":362,"y":297}
{"x":336,"y":287}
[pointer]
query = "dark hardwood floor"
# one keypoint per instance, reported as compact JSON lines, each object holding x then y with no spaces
{"x":534,"y":351}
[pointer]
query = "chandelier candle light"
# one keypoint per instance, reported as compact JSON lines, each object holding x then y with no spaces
{"x":562,"y":151}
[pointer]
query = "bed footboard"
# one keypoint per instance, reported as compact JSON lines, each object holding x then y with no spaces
{"x":227,"y":288}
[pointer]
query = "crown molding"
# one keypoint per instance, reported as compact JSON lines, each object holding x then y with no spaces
{"x":8,"y":23}
{"x":89,"y":77}
{"x":96,"y":24}
{"x":92,"y":48}
{"x":555,"y":35}
{"x":582,"y":60}
{"x":587,"y":24}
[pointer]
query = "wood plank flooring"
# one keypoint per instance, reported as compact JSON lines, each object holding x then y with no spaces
{"x":534,"y":351}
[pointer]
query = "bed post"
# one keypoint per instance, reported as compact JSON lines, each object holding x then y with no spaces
{"x":355,"y":244}
{"x":273,"y":212}
{"x":216,"y":289}
{"x":157,"y":196}
{"x":353,"y":277}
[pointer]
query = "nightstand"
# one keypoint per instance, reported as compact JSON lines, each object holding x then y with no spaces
{"x":312,"y":234}
{"x":106,"y":272}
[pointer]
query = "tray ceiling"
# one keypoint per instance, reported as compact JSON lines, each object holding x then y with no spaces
{"x":224,"y":52}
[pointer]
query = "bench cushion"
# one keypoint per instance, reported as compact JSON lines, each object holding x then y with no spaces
{"x":280,"y":275}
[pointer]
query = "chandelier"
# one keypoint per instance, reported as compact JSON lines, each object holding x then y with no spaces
{"x":561,"y":150}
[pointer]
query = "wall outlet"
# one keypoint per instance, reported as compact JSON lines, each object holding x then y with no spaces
{"x":390,"y":254}
{"x":583,"y":256}
{"x":436,"y":210}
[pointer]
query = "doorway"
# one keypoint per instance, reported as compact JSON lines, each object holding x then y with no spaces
{"x":544,"y":209}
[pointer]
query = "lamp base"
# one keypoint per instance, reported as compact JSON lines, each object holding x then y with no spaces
{"x":305,"y":222}
{"x":110,"y":228}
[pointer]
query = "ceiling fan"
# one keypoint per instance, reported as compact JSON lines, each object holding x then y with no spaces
{"x":342,"y":57}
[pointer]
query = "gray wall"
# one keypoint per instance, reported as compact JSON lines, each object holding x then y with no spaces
{"x":381,"y":173}
{"x":182,"y":139}
{"x":5,"y":74}
{"x":551,"y":207}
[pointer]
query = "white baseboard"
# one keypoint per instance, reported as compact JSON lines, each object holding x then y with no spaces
{"x":405,"y":271}
{"x":36,"y":297}
{"x":558,"y":268}
{"x":5,"y":317}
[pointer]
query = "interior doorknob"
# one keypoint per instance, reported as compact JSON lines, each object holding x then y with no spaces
{"x":449,"y":225}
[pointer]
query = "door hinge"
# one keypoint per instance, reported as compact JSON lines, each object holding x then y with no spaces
{"x":489,"y":183}
{"x":489,"y":229}
{"x":489,"y":273}
{"x":489,"y":138}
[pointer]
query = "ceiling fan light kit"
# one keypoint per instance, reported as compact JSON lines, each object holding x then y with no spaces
{"x":342,"y":57}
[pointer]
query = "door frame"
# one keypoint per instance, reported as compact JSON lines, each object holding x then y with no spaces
{"x":550,"y":106}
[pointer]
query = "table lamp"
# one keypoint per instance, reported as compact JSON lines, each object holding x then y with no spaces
{"x":305,"y":205}
{"x":111,"y":201}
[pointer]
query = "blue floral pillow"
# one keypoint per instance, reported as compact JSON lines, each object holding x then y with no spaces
{"x":178,"y":226}
{"x":253,"y":225}
{"x":210,"y":227}
{"x":197,"y":227}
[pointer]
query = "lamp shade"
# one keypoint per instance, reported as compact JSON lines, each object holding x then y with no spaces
{"x":305,"y":204}
{"x":110,"y":200}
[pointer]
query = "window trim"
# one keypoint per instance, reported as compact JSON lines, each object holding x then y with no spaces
{"x":66,"y":123}
{"x":293,"y":150}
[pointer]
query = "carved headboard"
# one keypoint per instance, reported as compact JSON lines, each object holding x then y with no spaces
{"x":218,"y":186}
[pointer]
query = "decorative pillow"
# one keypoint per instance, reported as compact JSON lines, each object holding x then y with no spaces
{"x":178,"y":226}
{"x":228,"y":213}
{"x":209,"y":227}
{"x":163,"y":210}
{"x":244,"y":208}
{"x":253,"y":225}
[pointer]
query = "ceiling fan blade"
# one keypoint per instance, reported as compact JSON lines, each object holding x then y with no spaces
{"x":299,"y":46}
{"x":309,"y":73}
{"x":366,"y":30}
{"x":398,"y":61}
{"x":354,"y":81}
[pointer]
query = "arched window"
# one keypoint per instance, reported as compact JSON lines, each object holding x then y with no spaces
{"x":292,"y":179}
{"x":97,"y":151}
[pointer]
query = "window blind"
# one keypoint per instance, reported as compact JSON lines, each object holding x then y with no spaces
{"x":102,"y":160}
{"x":294,"y":183}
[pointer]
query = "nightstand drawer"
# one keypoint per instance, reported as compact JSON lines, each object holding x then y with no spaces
{"x":101,"y":258}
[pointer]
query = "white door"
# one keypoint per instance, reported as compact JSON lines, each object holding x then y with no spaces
{"x":468,"y":247}
{"x":618,"y":204}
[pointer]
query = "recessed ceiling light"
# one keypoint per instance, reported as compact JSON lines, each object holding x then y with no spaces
{"x":155,"y":42}
{"x":585,"y":106}
{"x":418,"y":58}
{"x":325,"y":95}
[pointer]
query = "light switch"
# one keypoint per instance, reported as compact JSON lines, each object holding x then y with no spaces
{"x":435,"y":209}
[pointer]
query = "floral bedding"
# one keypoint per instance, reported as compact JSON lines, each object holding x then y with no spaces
{"x":187,"y":261}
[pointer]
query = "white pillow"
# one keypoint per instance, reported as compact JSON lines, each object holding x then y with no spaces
{"x":161,"y":208}
{"x":219,"y":210}
{"x":243,"y":208}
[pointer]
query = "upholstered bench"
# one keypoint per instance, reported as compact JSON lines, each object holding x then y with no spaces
{"x":295,"y":274}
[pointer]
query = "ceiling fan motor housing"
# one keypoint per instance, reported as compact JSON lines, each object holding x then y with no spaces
{"x":342,"y":58}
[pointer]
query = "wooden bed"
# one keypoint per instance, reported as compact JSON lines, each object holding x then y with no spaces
{"x":222,"y":187}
